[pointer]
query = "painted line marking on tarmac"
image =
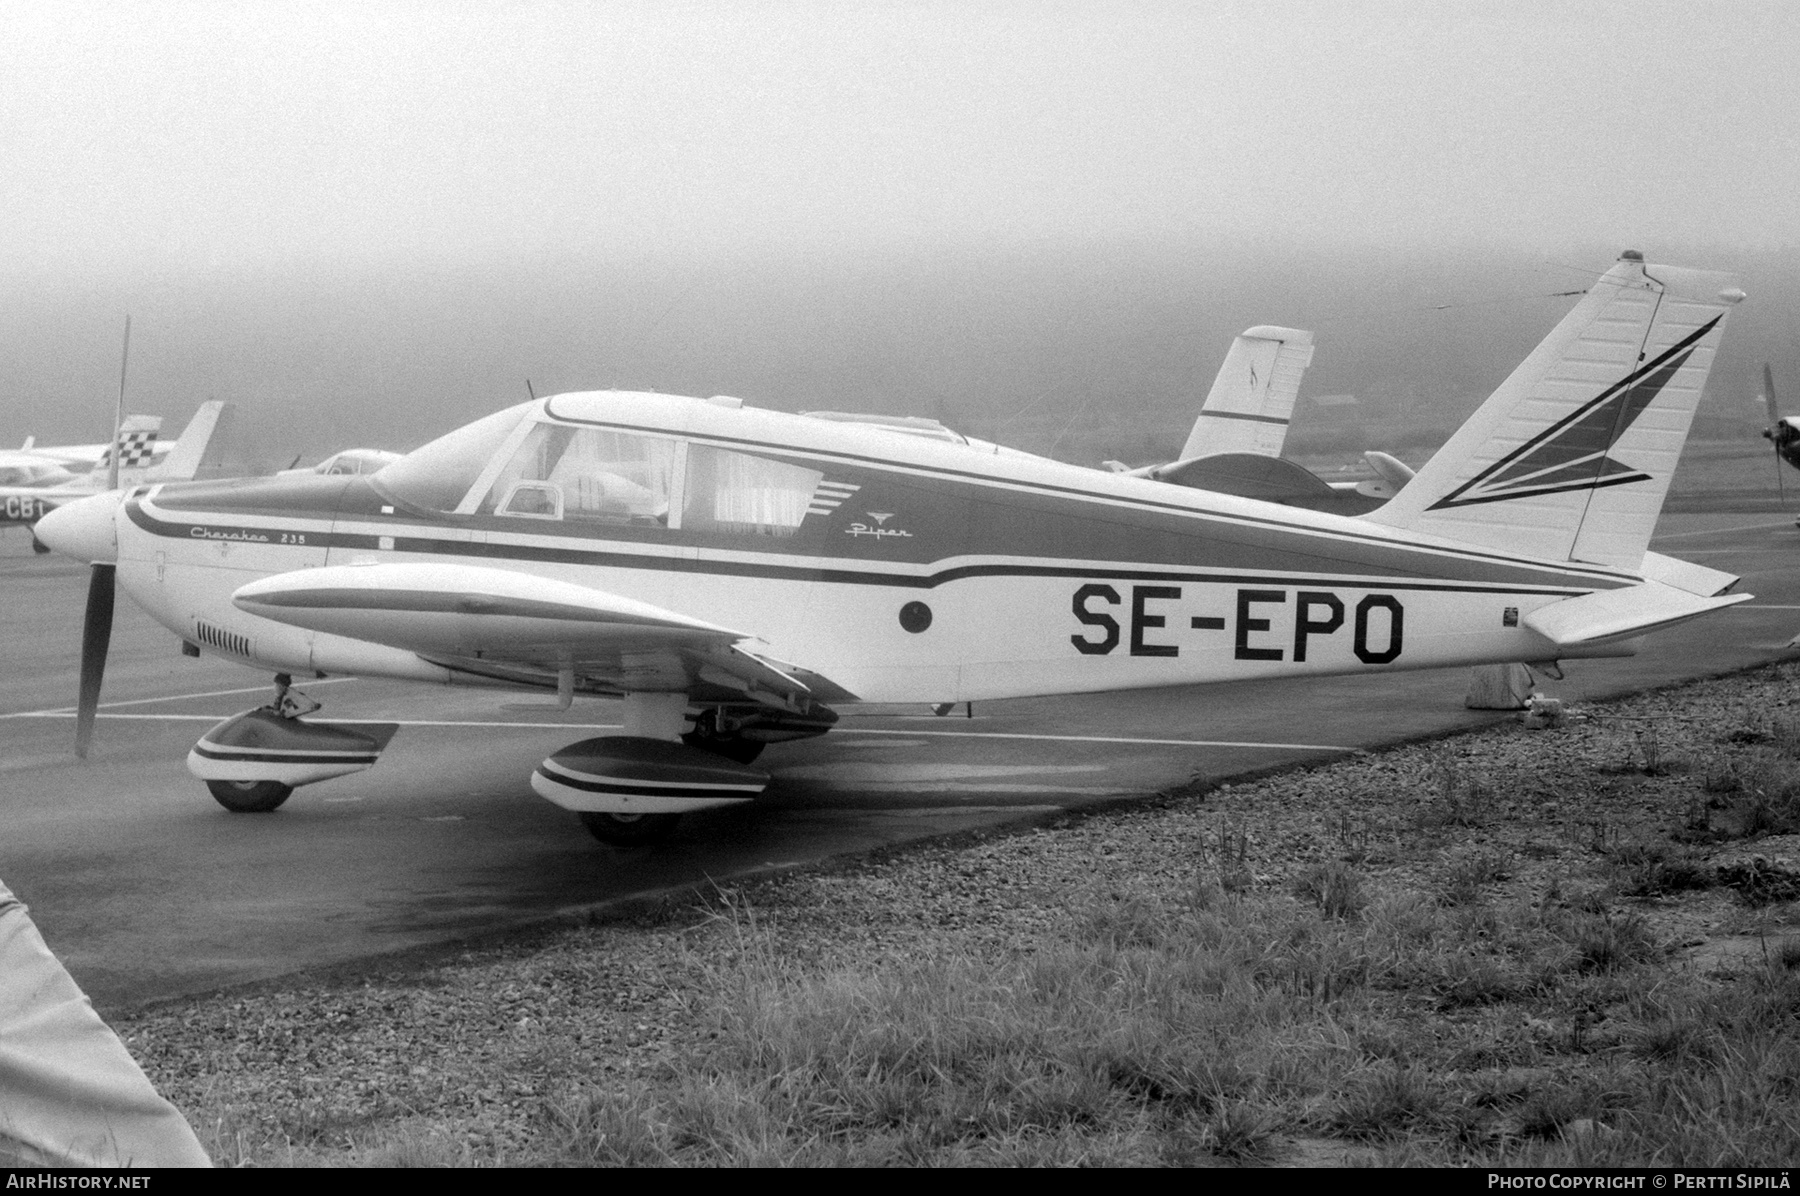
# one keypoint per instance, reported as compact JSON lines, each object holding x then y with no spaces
{"x":1766,"y":606}
{"x":404,"y":722}
{"x":427,"y":722}
{"x":1229,"y":743}
{"x":1720,"y":531}
{"x":215,"y":693}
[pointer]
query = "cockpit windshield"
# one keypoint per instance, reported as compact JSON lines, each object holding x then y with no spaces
{"x":438,"y":475}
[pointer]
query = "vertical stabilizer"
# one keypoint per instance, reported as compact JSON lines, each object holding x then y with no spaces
{"x":135,"y":443}
{"x":1571,"y":457}
{"x":1252,"y":399}
{"x":190,"y":450}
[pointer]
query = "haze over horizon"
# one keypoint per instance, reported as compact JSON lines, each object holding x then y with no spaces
{"x":366,"y":224}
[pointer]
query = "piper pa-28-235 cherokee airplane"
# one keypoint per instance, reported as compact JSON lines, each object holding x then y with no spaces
{"x":734,"y":574}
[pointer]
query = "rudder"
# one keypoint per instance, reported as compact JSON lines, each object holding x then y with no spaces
{"x":1571,"y":457}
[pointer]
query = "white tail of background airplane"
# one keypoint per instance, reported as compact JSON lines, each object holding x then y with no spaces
{"x":1252,"y":399}
{"x":185,"y":458}
{"x":1571,"y":457}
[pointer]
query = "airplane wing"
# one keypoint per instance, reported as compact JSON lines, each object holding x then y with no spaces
{"x":1252,"y":399}
{"x":517,"y":627}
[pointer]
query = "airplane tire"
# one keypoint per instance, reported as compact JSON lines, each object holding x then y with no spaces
{"x":38,"y":546}
{"x":628,"y":830}
{"x":249,"y":797}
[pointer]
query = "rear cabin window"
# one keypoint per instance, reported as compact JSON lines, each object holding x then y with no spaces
{"x":586,"y":475}
{"x":737,"y":492}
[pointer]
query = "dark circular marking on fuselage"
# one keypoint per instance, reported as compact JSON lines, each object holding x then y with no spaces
{"x":915,"y":617}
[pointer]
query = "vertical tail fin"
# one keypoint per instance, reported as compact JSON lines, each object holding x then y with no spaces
{"x":185,"y":458}
{"x":1571,"y":457}
{"x":1252,"y":399}
{"x":135,"y":443}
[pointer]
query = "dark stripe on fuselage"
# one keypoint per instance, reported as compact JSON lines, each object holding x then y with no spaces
{"x":614,"y":559}
{"x":988,"y":482}
{"x":944,"y":516}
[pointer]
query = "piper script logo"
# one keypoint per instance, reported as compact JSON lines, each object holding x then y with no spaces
{"x":1574,"y":453}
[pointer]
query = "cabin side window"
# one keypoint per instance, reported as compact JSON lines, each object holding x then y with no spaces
{"x":586,"y":475}
{"x":740,"y":493}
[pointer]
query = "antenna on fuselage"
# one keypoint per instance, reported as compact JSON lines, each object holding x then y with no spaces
{"x":529,"y":391}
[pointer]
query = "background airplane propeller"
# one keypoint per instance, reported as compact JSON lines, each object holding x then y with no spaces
{"x":1781,"y":436}
{"x":96,"y":624}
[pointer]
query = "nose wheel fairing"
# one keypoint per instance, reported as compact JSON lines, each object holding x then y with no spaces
{"x":265,"y":745}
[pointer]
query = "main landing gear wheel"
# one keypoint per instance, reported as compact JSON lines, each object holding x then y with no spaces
{"x":627,"y":830}
{"x":249,"y":797}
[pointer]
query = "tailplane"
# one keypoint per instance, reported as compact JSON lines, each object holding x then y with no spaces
{"x":1571,"y":457}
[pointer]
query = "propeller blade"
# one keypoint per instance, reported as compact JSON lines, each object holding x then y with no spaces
{"x":96,"y":636}
{"x":1769,"y":394}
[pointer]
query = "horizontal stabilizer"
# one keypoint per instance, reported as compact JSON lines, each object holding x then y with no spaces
{"x":1685,"y":575}
{"x":1608,"y":615}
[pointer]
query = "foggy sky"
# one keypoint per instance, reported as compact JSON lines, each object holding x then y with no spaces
{"x":933,"y":206}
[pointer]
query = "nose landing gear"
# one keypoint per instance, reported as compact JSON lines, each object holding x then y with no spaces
{"x":253,"y":762}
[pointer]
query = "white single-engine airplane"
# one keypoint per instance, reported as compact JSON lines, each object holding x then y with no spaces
{"x":31,"y":486}
{"x":136,"y":438}
{"x":735,"y":573}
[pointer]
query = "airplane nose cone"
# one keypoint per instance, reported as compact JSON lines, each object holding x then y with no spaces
{"x":83,"y":529}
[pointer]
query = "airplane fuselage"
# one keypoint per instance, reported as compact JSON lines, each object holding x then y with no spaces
{"x":893,"y":567}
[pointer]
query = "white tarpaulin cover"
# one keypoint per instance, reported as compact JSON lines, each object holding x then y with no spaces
{"x":70,"y":1093}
